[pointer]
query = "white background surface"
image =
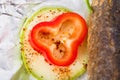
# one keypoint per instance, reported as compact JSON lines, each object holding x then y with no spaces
{"x":12,"y":12}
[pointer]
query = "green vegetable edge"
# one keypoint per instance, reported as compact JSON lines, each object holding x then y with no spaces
{"x":90,"y":9}
{"x":26,"y":21}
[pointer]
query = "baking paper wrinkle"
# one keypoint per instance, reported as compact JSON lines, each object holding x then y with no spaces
{"x":12,"y":12}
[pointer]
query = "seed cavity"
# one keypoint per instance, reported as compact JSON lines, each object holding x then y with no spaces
{"x":58,"y":38}
{"x":60,"y":50}
{"x":66,"y":29}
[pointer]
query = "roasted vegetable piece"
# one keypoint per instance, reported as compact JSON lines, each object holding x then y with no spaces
{"x":34,"y":61}
{"x":59,"y":39}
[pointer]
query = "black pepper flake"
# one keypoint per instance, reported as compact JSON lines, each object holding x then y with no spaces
{"x":21,"y":43}
{"x":47,"y":16}
{"x":50,"y":64}
{"x":50,"y":10}
{"x":39,"y":16}
{"x":27,"y":62}
{"x":41,"y":76}
{"x":61,"y":51}
{"x":59,"y":10}
{"x":57,"y":44}
{"x":24,"y":29}
{"x":85,"y":65}
{"x":73,"y":64}
{"x":53,"y":12}
{"x":52,"y":39}
{"x":22,"y":49}
{"x":45,"y":60}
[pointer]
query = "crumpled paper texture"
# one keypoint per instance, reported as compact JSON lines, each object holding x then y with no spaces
{"x":12,"y":12}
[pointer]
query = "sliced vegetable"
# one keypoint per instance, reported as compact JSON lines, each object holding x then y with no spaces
{"x":89,"y":6}
{"x":36,"y":64}
{"x":59,"y":39}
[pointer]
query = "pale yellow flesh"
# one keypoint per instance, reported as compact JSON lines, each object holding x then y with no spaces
{"x":35,"y":62}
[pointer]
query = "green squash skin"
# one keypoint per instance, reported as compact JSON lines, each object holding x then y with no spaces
{"x":90,"y":9}
{"x":22,"y":33}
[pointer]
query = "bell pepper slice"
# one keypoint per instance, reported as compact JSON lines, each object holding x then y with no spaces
{"x":58,"y":40}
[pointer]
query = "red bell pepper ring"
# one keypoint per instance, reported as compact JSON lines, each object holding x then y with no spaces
{"x":59,"y":39}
